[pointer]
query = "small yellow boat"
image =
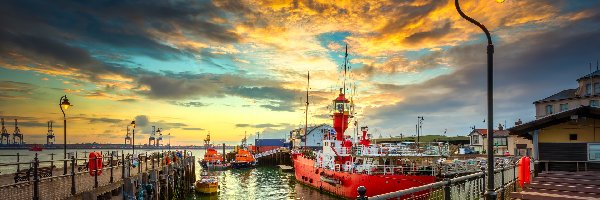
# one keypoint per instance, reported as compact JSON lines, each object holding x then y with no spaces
{"x":207,"y":184}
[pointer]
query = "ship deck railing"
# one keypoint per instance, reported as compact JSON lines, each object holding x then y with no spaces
{"x":471,"y":186}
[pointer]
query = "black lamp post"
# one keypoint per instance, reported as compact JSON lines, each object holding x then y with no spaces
{"x":419,"y":125}
{"x":490,"y":193}
{"x":133,"y":137}
{"x":64,"y":104}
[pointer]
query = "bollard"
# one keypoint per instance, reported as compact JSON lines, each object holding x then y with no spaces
{"x":447,"y":189}
{"x":36,"y":178}
{"x":72,"y":175}
{"x":362,"y":191}
{"x":111,"y":168}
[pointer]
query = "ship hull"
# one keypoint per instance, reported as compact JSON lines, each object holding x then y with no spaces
{"x":344,"y":184}
{"x":242,"y":165}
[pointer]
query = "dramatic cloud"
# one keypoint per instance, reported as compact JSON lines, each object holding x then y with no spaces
{"x":250,"y":59}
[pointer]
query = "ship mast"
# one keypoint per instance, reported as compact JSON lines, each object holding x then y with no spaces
{"x":306,"y":114}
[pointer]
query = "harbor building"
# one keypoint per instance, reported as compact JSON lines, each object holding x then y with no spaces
{"x":566,"y":132}
{"x":262,"y":145}
{"x":566,"y":141}
{"x":586,"y":94}
{"x":504,"y":142}
{"x":314,"y":136}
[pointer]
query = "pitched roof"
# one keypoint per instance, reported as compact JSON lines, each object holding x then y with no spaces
{"x":497,"y":133}
{"x":524,"y":130}
{"x":593,"y":74}
{"x":565,"y":94}
{"x":480,"y":131}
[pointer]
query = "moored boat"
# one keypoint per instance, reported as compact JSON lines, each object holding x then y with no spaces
{"x":342,"y":166}
{"x":207,"y":184}
{"x":243,"y":159}
{"x":212,"y":159}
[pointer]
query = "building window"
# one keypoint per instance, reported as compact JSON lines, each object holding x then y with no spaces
{"x":475,"y":139}
{"x":500,"y":141}
{"x":572,"y":136}
{"x":549,"y":110}
{"x":588,"y":89}
{"x":564,"y":107}
{"x":594,"y":152}
{"x":596,"y":88}
{"x":594,"y":103}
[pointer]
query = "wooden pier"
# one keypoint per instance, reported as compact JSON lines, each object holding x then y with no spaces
{"x":165,"y":175}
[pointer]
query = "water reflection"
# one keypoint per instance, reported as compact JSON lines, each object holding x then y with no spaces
{"x":261,"y":183}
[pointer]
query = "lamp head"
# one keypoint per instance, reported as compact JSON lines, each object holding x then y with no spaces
{"x":500,"y":1}
{"x":65,"y":103}
{"x":133,"y":124}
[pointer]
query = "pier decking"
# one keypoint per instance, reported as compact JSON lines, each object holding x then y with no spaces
{"x":117,"y":174}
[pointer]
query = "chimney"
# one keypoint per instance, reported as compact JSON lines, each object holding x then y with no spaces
{"x":500,"y":127}
{"x":518,"y":122}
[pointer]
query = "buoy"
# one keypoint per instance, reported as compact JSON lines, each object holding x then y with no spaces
{"x":524,"y":170}
{"x":95,"y":163}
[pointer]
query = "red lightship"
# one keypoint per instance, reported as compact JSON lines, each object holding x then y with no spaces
{"x":341,"y":166}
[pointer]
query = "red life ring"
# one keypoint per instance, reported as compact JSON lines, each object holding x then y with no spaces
{"x":95,"y":163}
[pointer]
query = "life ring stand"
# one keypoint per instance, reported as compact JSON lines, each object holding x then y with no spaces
{"x":95,"y":163}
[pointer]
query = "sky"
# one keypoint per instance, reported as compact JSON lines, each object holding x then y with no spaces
{"x":231,"y":67}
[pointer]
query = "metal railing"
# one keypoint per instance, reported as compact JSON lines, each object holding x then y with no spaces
{"x":464,"y":187}
{"x":49,"y":182}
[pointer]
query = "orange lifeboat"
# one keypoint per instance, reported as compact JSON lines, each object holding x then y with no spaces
{"x":212,"y":159}
{"x":243,"y":159}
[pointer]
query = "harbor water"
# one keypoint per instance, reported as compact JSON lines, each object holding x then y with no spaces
{"x":263,"y":182}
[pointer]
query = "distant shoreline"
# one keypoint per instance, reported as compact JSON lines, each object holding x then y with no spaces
{"x":103,"y":146}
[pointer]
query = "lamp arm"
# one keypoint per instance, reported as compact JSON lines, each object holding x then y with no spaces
{"x":487,"y":33}
{"x":60,"y":106}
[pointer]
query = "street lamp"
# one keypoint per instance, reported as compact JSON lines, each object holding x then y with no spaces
{"x":419,"y":128}
{"x":490,"y":194}
{"x":133,"y":137}
{"x":64,"y":104}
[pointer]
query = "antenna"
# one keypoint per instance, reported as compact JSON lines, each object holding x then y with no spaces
{"x":306,"y":114}
{"x":591,"y":92}
{"x":345,"y":68}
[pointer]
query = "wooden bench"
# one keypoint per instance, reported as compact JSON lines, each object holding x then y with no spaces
{"x":27,"y":174}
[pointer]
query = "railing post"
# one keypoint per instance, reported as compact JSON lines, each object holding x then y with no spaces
{"x":36,"y":178}
{"x":483,"y":181}
{"x":146,"y":161}
{"x":502,"y":182}
{"x":447,"y":189}
{"x":95,"y":172}
{"x":362,"y":191}
{"x":122,"y":166}
{"x":515,"y":177}
{"x":139,"y":163}
{"x":51,"y":164}
{"x":111,"y":168}
{"x":18,"y":165}
{"x":153,"y":157}
{"x":72,"y":175}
